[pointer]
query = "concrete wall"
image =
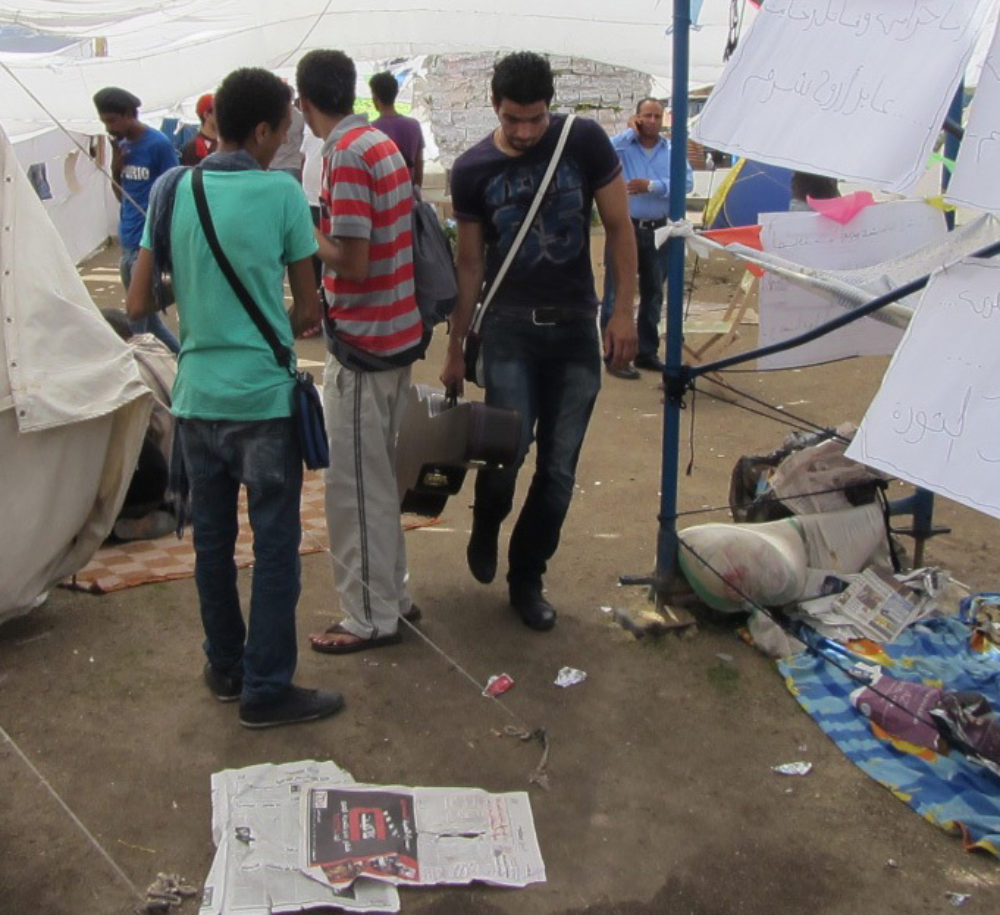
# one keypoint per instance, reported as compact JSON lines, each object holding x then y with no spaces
{"x":453,"y":96}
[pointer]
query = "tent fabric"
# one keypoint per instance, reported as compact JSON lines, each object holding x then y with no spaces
{"x":171,"y":50}
{"x":63,"y":362}
{"x":754,"y":189}
{"x":73,"y":409}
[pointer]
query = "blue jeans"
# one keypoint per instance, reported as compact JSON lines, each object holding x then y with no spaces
{"x":151,"y":324}
{"x":264,"y":456}
{"x":551,"y":375}
{"x":652,"y":275}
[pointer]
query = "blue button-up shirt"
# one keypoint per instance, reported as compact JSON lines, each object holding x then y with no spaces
{"x":653,"y":163}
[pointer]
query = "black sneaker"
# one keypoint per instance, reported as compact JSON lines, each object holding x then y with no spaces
{"x":650,"y":362}
{"x":224,"y":688}
{"x":529,"y":602}
{"x":481,"y":552}
{"x":292,"y":706}
{"x":628,"y":372}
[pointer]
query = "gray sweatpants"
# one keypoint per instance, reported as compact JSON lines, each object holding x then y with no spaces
{"x":363,"y":412}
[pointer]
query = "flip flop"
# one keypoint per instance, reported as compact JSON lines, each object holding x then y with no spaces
{"x":351,"y":647}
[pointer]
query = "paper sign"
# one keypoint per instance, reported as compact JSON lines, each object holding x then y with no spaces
{"x":934,"y":419}
{"x":974,"y":180}
{"x":856,"y":89}
{"x":876,"y":234}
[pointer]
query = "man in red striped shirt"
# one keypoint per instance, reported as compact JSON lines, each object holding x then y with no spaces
{"x":374,"y":332}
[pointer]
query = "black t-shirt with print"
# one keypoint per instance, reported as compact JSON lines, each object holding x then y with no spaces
{"x":553,"y":265}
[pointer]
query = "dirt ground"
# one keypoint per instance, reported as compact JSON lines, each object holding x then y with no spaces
{"x":662,"y":798}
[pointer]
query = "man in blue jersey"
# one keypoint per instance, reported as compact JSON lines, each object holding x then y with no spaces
{"x":140,"y":154}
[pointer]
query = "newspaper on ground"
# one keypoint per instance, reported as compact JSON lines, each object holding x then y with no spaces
{"x":419,"y":836}
{"x":872,"y":604}
{"x":304,"y":835}
{"x":256,"y":827}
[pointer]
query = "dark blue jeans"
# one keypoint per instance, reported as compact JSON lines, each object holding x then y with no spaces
{"x":151,"y":324}
{"x":264,"y":456}
{"x":551,"y":375}
{"x":652,"y":275}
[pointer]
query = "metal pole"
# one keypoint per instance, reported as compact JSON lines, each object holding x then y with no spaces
{"x":922,"y":503}
{"x":666,"y":540}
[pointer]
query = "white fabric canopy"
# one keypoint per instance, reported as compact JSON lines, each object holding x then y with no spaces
{"x":73,"y":410}
{"x":167,"y":51}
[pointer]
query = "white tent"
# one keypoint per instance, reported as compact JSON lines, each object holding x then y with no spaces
{"x":72,"y":407}
{"x":166,"y":51}
{"x":73,"y":410}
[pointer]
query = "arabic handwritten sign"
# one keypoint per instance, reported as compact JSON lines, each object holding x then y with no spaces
{"x":974,"y":182}
{"x":934,"y":419}
{"x":857,"y":89}
{"x":876,"y":234}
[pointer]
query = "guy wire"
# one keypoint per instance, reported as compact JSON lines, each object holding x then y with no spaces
{"x":79,"y":823}
{"x":780,"y":414}
{"x":480,"y":687}
{"x":71,"y":138}
{"x":811,"y":648}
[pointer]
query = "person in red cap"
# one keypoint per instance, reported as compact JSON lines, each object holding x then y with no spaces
{"x":207,"y":138}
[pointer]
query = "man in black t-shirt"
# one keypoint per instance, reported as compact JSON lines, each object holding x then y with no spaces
{"x":541,"y":347}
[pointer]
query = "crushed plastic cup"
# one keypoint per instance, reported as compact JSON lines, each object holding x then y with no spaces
{"x":793,"y":768}
{"x":569,"y":676}
{"x":958,"y":899}
{"x":498,"y":684}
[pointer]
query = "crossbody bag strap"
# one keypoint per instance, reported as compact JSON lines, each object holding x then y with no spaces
{"x":281,"y":352}
{"x":529,"y":218}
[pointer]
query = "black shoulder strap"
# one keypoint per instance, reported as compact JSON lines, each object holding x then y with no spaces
{"x":281,"y":352}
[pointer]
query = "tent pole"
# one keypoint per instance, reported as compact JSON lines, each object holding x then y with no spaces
{"x":921,"y":503}
{"x":666,"y":541}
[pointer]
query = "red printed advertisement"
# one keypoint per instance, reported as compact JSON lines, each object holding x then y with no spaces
{"x":363,"y":833}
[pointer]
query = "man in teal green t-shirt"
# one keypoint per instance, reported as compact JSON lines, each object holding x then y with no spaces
{"x":232,"y":400}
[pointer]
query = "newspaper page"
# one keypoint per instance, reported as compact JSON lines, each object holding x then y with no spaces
{"x":256,"y":815}
{"x":878,"y":603}
{"x":419,"y":836}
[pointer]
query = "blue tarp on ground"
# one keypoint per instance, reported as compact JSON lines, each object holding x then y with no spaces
{"x":948,"y":790}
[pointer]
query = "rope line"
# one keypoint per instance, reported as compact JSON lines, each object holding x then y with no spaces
{"x":107,"y":174}
{"x":746,"y":599}
{"x":69,"y":811}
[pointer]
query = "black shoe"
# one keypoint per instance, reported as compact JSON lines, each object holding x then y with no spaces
{"x":651,"y":363}
{"x":535,"y":611}
{"x":292,"y":706}
{"x":481,"y":552}
{"x":224,"y":688}
{"x":628,"y":372}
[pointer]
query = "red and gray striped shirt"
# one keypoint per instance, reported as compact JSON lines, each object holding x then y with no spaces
{"x":366,"y":193}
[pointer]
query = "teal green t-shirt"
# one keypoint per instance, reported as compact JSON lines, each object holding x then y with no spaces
{"x":225,"y":369}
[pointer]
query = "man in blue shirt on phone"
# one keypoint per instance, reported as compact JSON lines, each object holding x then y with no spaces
{"x":645,"y":157}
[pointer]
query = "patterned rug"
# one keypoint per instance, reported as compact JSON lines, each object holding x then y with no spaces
{"x":140,"y":562}
{"x":946,"y":789}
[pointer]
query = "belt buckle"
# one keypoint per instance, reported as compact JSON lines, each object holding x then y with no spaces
{"x":537,"y":322}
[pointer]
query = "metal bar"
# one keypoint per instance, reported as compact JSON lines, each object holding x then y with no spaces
{"x":666,"y":539}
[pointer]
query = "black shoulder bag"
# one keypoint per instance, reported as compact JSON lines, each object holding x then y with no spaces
{"x":307,"y":406}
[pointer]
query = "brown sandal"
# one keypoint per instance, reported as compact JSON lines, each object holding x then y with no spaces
{"x":360,"y":644}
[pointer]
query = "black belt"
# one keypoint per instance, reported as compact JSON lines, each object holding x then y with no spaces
{"x":649,"y":223}
{"x":544,"y":314}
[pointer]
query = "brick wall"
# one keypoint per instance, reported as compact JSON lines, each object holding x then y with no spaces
{"x":453,"y":96}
